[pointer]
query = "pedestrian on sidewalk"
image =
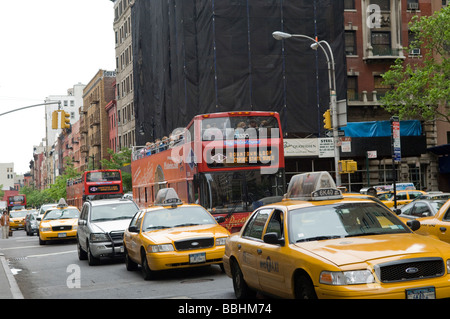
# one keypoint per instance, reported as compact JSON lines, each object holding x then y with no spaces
{"x":4,"y":223}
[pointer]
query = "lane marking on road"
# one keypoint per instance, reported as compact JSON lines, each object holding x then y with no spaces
{"x":23,"y":247}
{"x":53,"y":254}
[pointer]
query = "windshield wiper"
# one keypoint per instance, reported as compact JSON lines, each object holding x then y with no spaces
{"x":318,"y":238}
{"x":157,"y":227}
{"x":187,"y":224}
{"x":366,"y":234}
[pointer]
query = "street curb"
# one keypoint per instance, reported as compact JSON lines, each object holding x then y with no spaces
{"x":14,"y":288}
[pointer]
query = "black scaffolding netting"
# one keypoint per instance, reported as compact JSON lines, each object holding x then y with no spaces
{"x":201,"y":56}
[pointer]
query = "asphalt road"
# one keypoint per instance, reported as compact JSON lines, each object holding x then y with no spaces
{"x":54,"y":271}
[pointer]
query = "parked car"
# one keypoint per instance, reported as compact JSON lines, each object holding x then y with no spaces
{"x":101,"y":227}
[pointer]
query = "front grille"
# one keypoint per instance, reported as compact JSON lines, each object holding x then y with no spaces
{"x":195,"y":243}
{"x":116,"y":235}
{"x":410,"y":269}
{"x":61,"y":228}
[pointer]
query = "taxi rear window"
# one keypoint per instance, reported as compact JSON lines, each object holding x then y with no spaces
{"x":342,"y":220}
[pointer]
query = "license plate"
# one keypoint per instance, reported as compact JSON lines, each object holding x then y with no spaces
{"x":197,"y":258}
{"x":421,"y":293}
{"x":61,"y":235}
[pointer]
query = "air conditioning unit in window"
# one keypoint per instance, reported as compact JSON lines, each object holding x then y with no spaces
{"x":413,"y":6}
{"x":414,"y":52}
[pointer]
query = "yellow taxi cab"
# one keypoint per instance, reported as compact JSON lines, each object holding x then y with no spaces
{"x":17,"y":218}
{"x":59,"y":223}
{"x":403,"y":197}
{"x":173,"y":235}
{"x":436,"y":225}
{"x":318,"y":244}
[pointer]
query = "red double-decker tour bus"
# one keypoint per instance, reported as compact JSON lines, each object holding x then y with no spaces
{"x":15,"y":202}
{"x":230,"y":163}
{"x":102,"y":183}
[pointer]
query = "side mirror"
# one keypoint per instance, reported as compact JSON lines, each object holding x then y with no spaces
{"x":219,"y":219}
{"x":133,"y":229}
{"x":272,"y":238}
{"x":38,"y":218}
{"x":81,"y":222}
{"x":397,"y":211}
{"x":413,"y":224}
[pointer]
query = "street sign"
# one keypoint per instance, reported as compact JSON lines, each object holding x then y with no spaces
{"x":396,"y":147}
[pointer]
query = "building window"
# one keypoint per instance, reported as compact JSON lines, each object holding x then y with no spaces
{"x":385,"y":5}
{"x":352,"y":88}
{"x":349,"y":4}
{"x":350,"y":43}
{"x":381,"y":43}
{"x":378,"y":86}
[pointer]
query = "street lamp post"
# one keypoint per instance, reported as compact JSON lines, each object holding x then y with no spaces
{"x":278,"y":35}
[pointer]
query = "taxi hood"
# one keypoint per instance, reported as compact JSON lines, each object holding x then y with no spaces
{"x":169,"y":235}
{"x":351,"y":250}
{"x":60,"y":222}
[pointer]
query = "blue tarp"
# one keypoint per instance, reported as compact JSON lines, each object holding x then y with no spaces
{"x":381,"y":128}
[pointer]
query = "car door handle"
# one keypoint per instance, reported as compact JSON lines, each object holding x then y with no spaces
{"x":259,"y":251}
{"x":442,"y":229}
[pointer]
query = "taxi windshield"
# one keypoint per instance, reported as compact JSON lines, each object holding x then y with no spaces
{"x":342,"y":220}
{"x":17,"y":214}
{"x":176,"y":217}
{"x":67,"y":213}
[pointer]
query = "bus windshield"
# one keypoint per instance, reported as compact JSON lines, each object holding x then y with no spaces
{"x":103,"y":176}
{"x":239,"y":191}
{"x":239,"y":127}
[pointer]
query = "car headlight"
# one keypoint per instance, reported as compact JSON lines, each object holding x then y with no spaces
{"x":353,"y":277}
{"x":448,"y":266}
{"x":160,"y":248}
{"x":221,"y":241}
{"x":44,"y":229}
{"x":98,"y":237}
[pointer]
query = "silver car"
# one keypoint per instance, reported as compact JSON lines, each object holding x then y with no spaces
{"x":101,"y":226}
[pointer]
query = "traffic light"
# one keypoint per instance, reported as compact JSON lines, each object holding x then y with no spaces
{"x":327,"y":120}
{"x":55,"y":120}
{"x":347,"y":166}
{"x":65,"y":120}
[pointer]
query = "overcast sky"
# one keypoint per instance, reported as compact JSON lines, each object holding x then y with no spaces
{"x":47,"y":46}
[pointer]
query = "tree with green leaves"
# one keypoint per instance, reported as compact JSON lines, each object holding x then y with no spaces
{"x":118,"y":161}
{"x":422,"y":91}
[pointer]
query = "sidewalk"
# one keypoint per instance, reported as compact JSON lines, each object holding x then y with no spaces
{"x":8,"y":285}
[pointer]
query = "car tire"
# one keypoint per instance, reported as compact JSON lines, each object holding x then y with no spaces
{"x":241,"y":289}
{"x":82,"y":255}
{"x":304,"y":288}
{"x":42,"y":242}
{"x":130,"y":264}
{"x":146,"y":271}
{"x":92,"y":260}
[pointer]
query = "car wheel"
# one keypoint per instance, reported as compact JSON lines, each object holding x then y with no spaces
{"x":42,"y":242}
{"x":146,"y":271}
{"x":241,"y":289}
{"x":82,"y":255}
{"x":92,"y":260}
{"x":131,"y":265}
{"x":304,"y":288}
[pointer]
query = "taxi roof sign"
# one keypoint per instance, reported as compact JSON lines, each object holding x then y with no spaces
{"x":167,"y":197}
{"x":62,"y":203}
{"x":313,"y":186}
